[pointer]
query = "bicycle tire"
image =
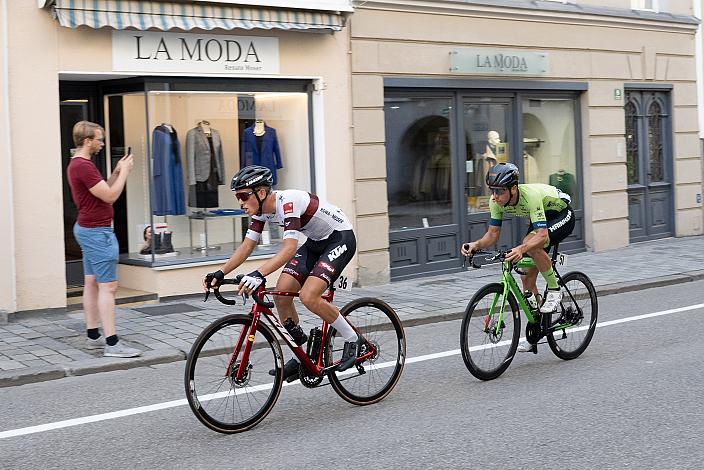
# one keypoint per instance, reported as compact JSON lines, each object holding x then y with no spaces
{"x":210,"y":392}
{"x":479,"y":344}
{"x":380,"y":325}
{"x":570,"y":343}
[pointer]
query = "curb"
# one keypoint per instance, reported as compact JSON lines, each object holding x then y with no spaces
{"x":29,"y":375}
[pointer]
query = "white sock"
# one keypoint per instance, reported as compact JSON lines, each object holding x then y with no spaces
{"x":344,"y":328}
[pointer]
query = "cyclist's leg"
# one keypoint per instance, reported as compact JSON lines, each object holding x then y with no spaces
{"x":338,"y":252}
{"x":284,"y":305}
{"x":559,"y":225}
{"x":292,"y":278}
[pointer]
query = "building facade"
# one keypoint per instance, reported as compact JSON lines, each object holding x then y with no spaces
{"x":196,"y":91}
{"x":393,"y":110}
{"x":596,"y":98}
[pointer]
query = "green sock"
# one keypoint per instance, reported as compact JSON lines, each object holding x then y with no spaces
{"x":550,"y":278}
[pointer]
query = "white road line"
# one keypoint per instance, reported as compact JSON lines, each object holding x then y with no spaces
{"x":172,"y":404}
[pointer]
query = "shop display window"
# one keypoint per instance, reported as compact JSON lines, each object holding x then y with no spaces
{"x":187,"y":145}
{"x":549,"y":148}
{"x":418,"y":161}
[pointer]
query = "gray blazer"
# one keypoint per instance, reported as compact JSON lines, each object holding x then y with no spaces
{"x":198,"y":155}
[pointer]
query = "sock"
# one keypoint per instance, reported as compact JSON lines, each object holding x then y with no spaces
{"x":550,"y":278}
{"x":93,"y":333}
{"x":344,"y":328}
{"x":111,"y":340}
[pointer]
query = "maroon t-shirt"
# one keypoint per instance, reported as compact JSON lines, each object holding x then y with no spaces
{"x":92,"y":212}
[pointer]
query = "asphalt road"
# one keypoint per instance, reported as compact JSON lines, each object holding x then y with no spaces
{"x":632,"y":400}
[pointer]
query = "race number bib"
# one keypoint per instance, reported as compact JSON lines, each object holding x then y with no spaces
{"x":343,"y":283}
{"x":561,"y":259}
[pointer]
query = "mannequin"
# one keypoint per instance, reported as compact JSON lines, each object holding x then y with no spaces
{"x":259,"y":128}
{"x":260,"y":146}
{"x":205,"y":127}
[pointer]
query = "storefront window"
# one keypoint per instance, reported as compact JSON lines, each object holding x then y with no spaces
{"x":486,"y":131}
{"x":549,"y":148}
{"x":187,"y":145}
{"x":418,"y":161}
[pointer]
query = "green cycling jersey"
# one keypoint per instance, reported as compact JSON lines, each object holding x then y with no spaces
{"x":534,"y":200}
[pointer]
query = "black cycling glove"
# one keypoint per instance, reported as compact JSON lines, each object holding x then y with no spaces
{"x":218,"y":275}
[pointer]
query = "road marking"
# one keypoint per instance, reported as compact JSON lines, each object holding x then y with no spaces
{"x":175,"y":403}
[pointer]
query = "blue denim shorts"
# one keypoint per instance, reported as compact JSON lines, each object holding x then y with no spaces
{"x":100,"y":252}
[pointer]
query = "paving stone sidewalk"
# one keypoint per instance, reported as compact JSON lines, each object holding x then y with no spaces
{"x":45,"y":346}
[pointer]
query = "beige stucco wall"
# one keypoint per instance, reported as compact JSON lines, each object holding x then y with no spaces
{"x":604,"y":52}
{"x":36,"y":163}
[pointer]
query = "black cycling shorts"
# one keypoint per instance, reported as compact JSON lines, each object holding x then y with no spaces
{"x":560,"y":225}
{"x":324,"y":259}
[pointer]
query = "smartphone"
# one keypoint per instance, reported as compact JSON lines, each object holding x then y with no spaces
{"x":129,"y":150}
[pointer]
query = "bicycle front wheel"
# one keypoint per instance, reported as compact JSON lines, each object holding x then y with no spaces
{"x":374,"y":378}
{"x":488,"y":343}
{"x":216,"y":396}
{"x":578,"y":314}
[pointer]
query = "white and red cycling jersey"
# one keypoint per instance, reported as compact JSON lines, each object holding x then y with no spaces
{"x":300,"y":211}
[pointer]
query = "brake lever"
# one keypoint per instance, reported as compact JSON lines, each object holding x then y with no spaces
{"x":207,"y":293}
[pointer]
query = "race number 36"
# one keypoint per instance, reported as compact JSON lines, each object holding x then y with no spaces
{"x":343,"y":283}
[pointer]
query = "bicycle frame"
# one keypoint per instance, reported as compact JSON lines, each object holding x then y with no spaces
{"x":509,"y":284}
{"x":314,"y":368}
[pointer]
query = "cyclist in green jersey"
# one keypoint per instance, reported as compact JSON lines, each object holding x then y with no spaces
{"x":551,"y":221}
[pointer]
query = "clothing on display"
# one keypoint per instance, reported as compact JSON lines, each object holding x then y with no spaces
{"x":531,"y":171}
{"x":206,"y":165}
{"x":167,"y":172}
{"x":261,"y":148}
{"x":563,"y":181}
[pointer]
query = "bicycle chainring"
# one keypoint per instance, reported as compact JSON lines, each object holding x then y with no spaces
{"x":308,"y":380}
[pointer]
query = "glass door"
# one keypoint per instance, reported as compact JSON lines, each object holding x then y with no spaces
{"x":488,"y":137}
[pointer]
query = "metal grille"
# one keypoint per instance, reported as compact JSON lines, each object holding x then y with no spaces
{"x":655,"y":142}
{"x":631,"y":142}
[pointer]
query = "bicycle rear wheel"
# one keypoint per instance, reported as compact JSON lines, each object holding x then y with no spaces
{"x":487,"y":347}
{"x":380,"y":326}
{"x":218,"y":399}
{"x":579,"y":310}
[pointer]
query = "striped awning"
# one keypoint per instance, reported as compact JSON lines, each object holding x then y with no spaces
{"x":164,"y":15}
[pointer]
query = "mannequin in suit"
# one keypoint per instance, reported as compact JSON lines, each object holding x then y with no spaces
{"x":260,"y":146}
{"x":206,"y":165}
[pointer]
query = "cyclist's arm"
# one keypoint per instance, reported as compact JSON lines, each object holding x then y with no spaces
{"x":490,"y":238}
{"x":286,"y":252}
{"x":239,"y":256}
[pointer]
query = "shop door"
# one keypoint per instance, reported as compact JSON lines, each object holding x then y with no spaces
{"x":424,"y":233}
{"x":78,"y":103}
{"x":649,"y":165}
{"x":488,"y":138}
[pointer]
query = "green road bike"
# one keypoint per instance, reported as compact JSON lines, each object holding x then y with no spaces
{"x":492,"y":323}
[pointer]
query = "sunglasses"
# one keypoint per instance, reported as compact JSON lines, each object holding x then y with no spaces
{"x":498,"y":191}
{"x":242,"y":197}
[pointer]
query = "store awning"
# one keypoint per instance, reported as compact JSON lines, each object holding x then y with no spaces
{"x":165,"y":15}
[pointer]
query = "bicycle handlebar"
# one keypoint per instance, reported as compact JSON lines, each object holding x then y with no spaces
{"x":497,"y":256}
{"x":256,"y":295}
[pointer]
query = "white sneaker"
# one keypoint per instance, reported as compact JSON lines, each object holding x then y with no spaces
{"x":121,"y":350}
{"x":552,"y":300}
{"x":95,"y":343}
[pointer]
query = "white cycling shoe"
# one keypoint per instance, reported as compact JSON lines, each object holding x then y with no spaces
{"x":552,"y":301}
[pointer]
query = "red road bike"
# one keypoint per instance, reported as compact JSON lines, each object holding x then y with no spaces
{"x":228,"y":383}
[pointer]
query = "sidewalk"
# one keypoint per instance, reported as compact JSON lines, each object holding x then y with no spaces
{"x":47,"y":346}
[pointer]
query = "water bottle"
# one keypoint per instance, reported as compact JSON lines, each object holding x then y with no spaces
{"x":314,"y":340}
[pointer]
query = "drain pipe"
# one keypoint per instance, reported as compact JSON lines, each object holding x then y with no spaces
{"x":7,"y":167}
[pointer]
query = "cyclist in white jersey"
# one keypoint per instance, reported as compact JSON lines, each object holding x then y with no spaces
{"x":310,"y":269}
